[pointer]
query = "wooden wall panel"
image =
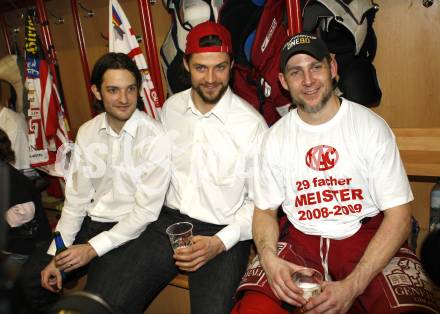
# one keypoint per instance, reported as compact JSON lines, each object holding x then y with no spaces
{"x":69,"y":61}
{"x":408,"y":62}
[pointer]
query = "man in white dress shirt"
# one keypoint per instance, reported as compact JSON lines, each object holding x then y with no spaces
{"x":212,"y":130}
{"x":16,"y":128}
{"x":115,"y":187}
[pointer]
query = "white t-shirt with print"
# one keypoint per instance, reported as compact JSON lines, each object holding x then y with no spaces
{"x":329,"y":177}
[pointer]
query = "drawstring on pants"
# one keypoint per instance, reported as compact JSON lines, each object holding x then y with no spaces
{"x":324,"y":258}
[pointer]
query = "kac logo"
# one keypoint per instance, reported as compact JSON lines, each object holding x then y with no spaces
{"x":322,"y":157}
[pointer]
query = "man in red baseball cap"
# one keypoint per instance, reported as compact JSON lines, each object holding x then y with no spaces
{"x":208,"y":60}
{"x":195,"y":42}
{"x":213,"y":131}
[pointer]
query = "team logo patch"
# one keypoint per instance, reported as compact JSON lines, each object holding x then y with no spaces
{"x":322,"y":157}
{"x":406,"y":284}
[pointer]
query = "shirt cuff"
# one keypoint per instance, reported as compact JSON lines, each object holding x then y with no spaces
{"x":52,"y":249}
{"x":101,"y":244}
{"x":229,"y":235}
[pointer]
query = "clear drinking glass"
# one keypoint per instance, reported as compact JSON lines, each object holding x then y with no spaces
{"x":309,"y":280}
{"x":180,"y":234}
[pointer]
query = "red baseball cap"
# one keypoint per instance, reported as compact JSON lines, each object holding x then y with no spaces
{"x":204,"y":29}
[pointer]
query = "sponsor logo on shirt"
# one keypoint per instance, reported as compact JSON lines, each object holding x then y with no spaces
{"x":322,"y":157}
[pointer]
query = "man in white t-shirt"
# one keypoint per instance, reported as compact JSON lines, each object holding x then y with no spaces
{"x":16,"y":127}
{"x":213,"y":131}
{"x":334,"y":167}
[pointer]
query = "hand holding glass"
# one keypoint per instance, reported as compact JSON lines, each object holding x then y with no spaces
{"x":309,"y":280}
{"x":180,"y":234}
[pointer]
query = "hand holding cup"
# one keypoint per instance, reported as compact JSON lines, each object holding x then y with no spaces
{"x":180,"y":234}
{"x":309,"y":280}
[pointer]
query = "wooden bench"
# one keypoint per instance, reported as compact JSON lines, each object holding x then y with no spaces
{"x":420,"y":150}
{"x":180,"y":281}
{"x":173,"y":299}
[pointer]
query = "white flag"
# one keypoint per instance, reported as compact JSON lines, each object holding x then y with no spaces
{"x":123,"y":39}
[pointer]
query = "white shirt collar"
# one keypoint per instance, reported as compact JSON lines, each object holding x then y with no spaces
{"x":220,"y":110}
{"x":130,"y":126}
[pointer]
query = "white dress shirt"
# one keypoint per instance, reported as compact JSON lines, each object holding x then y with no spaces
{"x":210,"y":158}
{"x":16,"y":128}
{"x":119,"y":178}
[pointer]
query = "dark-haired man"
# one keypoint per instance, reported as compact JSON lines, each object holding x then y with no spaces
{"x":334,"y":167}
{"x":212,"y":131}
{"x":115,"y":187}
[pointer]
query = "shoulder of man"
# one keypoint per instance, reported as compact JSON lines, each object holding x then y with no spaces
{"x":367,"y":121}
{"x":246,"y":110}
{"x":147,"y":123}
{"x":17,"y":118}
{"x":91,"y":126}
{"x":281,"y":133}
{"x":178,"y":99}
{"x":176,"y":103}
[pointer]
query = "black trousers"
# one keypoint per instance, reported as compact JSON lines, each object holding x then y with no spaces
{"x":101,"y":271}
{"x":212,"y":287}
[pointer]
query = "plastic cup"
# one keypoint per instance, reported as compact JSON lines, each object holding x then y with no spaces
{"x":309,"y":280}
{"x":180,"y":234}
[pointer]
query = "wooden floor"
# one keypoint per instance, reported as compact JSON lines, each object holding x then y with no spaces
{"x":172,"y":300}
